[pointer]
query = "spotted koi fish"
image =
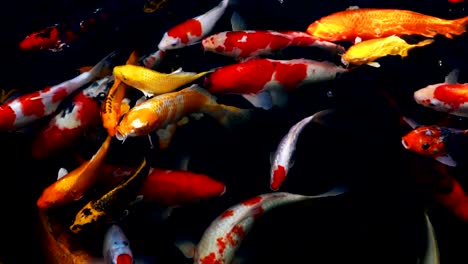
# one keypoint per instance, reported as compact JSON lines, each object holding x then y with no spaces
{"x":255,"y":43}
{"x":56,"y":37}
{"x":25,"y":109}
{"x":70,"y":123}
{"x":370,"y":23}
{"x":192,"y":30}
{"x":223,"y":236}
{"x":282,"y":159}
{"x":112,"y":203}
{"x":258,"y":80}
{"x":449,"y":97}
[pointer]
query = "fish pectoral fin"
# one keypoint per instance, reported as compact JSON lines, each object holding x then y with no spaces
{"x":262,"y":99}
{"x":447,"y":160}
{"x":374,"y":64}
{"x":357,"y":40}
{"x":188,"y":248}
{"x":62,"y":172}
{"x":238,"y":22}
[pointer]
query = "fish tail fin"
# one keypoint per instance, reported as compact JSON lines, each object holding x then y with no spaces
{"x":227,"y":115}
{"x":456,"y":27}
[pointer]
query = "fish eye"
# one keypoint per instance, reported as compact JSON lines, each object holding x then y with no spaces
{"x":102,"y":95}
{"x":425,"y":146}
{"x":174,"y":44}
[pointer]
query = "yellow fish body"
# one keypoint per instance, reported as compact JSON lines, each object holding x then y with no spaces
{"x":151,"y":82}
{"x":162,"y":110}
{"x":366,"y":52}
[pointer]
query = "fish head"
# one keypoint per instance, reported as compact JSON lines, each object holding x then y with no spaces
{"x":426,"y":97}
{"x":425,"y":140}
{"x":120,"y":72}
{"x":117,"y":247}
{"x":99,"y":88}
{"x":87,"y":216}
{"x":132,"y":127}
{"x":328,"y":31}
{"x":168,"y":43}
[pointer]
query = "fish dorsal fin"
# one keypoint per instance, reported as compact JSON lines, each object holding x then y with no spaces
{"x":179,"y":70}
{"x":352,"y":7}
{"x":452,"y":77}
{"x":62,"y":172}
{"x":447,"y":160}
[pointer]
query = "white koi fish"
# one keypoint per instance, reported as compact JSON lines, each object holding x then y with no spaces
{"x":116,"y":249}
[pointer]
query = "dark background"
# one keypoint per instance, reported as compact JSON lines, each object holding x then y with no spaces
{"x":380,"y":219}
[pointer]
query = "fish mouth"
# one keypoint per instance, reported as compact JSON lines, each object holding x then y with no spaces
{"x":120,"y":136}
{"x":405,"y":143}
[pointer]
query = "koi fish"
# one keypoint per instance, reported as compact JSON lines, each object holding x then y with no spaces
{"x":223,"y":236}
{"x":254,"y":43}
{"x":154,"y":59}
{"x":151,"y":82}
{"x":370,"y":23}
{"x":71,"y":122}
{"x":449,"y":97}
{"x":282,"y":159}
{"x":111,"y":203}
{"x":192,"y":30}
{"x":114,"y":105}
{"x":58,"y":36}
{"x":116,"y":248}
{"x":431,"y":141}
{"x":73,"y":185}
{"x":177,"y":187}
{"x":162,"y":110}
{"x":260,"y":79}
{"x":27,"y":108}
{"x":53,"y":250}
{"x":368,"y":51}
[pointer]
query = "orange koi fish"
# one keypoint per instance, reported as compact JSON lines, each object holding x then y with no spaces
{"x":111,"y":110}
{"x":370,"y":23}
{"x":162,"y":110}
{"x":73,"y":185}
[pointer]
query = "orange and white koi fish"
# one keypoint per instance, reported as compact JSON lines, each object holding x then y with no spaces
{"x":282,"y":159}
{"x":74,"y":185}
{"x":366,"y":52}
{"x":178,"y":187}
{"x":192,"y":30}
{"x":116,"y":248}
{"x":370,"y":23}
{"x":258,"y":79}
{"x":162,"y":110}
{"x":254,"y":43}
{"x":114,"y":106}
{"x":449,"y":97}
{"x":223,"y":236}
{"x":25,"y":109}
{"x":431,"y":141}
{"x":151,"y":82}
{"x":69,"y":124}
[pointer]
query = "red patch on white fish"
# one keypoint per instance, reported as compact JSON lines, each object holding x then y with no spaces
{"x":7,"y":119}
{"x":32,"y":104}
{"x":452,"y":94}
{"x":124,"y":259}
{"x":278,"y":177}
{"x":182,"y":31}
{"x":252,"y":201}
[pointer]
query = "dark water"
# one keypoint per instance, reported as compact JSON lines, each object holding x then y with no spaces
{"x":380,"y":220}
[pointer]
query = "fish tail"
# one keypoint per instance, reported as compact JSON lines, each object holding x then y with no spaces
{"x":456,"y":27}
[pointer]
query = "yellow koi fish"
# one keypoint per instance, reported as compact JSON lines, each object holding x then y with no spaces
{"x":366,"y":52}
{"x":74,"y":184}
{"x":160,"y":111}
{"x":111,"y":203}
{"x":112,"y":108}
{"x":151,"y":82}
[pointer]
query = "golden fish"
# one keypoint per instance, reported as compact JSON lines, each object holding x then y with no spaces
{"x":111,"y":203}
{"x":160,"y":111}
{"x":73,"y":185}
{"x":370,"y":50}
{"x":151,"y":82}
{"x":369,"y":23}
{"x":112,"y":108}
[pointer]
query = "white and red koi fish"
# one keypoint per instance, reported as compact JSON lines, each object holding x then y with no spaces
{"x":153,"y":60}
{"x":256,"y":78}
{"x":282,"y":159}
{"x":449,"y":97}
{"x":254,"y":43}
{"x":28,"y":108}
{"x":192,"y":30}
{"x":222,"y":238}
{"x":71,"y":122}
{"x":116,"y":248}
